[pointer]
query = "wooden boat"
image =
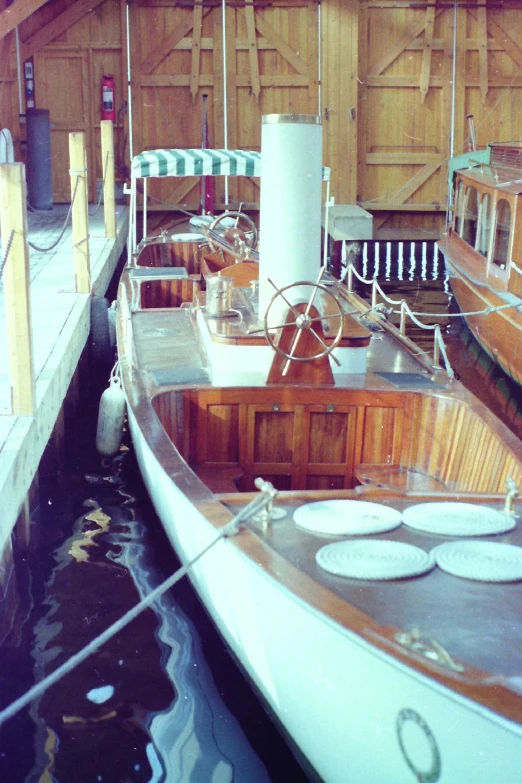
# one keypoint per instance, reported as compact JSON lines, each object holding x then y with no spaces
{"x":482,"y":252}
{"x":373,"y":677}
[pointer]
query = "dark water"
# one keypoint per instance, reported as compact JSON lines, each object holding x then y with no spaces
{"x":172,"y":704}
{"x":163,"y":700}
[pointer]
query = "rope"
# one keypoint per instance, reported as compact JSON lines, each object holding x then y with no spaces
{"x":47,"y":249}
{"x":266,"y":496}
{"x":8,"y":249}
{"x":437,"y":336}
{"x":400,"y":302}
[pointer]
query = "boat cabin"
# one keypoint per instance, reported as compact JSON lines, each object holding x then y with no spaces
{"x":487,"y":215}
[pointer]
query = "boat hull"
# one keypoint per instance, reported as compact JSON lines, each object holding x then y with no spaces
{"x":498,"y":332}
{"x":347,"y":704}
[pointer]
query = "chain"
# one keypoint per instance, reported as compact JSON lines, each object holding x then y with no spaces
{"x":4,"y":260}
{"x":47,"y":249}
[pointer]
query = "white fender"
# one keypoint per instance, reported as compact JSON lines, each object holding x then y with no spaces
{"x":6,"y":146}
{"x":111,"y":416}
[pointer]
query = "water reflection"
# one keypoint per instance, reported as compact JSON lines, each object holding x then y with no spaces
{"x":145,"y":706}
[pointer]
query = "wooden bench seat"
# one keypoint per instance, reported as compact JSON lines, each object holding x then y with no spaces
{"x":395,"y":477}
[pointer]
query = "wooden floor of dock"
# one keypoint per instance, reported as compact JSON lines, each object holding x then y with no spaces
{"x":60,"y":323}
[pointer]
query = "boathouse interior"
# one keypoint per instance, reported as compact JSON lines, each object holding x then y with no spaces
{"x":393,"y":80}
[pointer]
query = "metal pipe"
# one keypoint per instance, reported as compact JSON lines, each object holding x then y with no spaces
{"x":453,"y":80}
{"x":225,"y":95}
{"x":129,"y":90}
{"x":319,"y":55}
{"x":19,"y":72}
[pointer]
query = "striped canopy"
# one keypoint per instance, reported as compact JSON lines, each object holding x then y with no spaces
{"x":199,"y":163}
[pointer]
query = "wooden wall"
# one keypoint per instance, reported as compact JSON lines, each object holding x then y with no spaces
{"x":383,"y":84}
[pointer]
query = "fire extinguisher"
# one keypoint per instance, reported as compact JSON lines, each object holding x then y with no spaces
{"x":108,"y":111}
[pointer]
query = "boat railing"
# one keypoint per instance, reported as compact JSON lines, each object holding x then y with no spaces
{"x":404,"y":311}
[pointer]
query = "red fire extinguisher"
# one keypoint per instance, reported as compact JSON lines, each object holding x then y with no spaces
{"x":108,"y":111}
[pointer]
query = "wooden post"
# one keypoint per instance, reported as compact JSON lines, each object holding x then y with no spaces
{"x":80,"y":218}
{"x":13,"y":222}
{"x":109,"y":202}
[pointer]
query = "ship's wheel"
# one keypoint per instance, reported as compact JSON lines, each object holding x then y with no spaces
{"x":307,"y":325}
{"x":244,"y":230}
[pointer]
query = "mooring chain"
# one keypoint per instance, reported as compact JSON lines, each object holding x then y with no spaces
{"x":48,"y":249}
{"x":6,"y":256}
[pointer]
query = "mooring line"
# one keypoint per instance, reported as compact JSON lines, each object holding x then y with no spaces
{"x":266,"y":496}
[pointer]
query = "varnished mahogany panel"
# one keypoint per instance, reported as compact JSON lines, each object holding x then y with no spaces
{"x":168,"y":292}
{"x":171,"y":254}
{"x":316,"y":446}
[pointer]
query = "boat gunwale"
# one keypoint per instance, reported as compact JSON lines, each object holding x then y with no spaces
{"x":489,"y":690}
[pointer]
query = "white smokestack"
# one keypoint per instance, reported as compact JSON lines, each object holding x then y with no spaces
{"x":290,"y":207}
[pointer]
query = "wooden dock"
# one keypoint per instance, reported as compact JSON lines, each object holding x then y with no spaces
{"x":60,"y":324}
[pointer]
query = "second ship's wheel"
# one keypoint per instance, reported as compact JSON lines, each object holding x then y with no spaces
{"x":244,"y":228}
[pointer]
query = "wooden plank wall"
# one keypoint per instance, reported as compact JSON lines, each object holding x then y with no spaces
{"x":383,"y":85}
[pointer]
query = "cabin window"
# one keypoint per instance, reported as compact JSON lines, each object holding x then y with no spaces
{"x":459,"y":207}
{"x":484,"y":226}
{"x":502,"y":230}
{"x":469,"y":223}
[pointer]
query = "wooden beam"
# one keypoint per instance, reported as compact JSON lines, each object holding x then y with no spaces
{"x":109,"y":201}
{"x":411,"y":32}
{"x":59,"y":25}
{"x":13,"y":223}
{"x":483,"y":53}
{"x":218,"y":99}
{"x":280,"y":44}
{"x":252,"y":48}
{"x":208,"y":80}
{"x":17,"y":13}
{"x":502,"y":38}
{"x":426,"y":54}
{"x":80,"y":219}
{"x":418,"y":179}
{"x":166,"y":46}
{"x":196,"y":51}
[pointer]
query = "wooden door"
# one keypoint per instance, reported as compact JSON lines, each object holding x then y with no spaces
{"x":62,"y":85}
{"x":249,"y":61}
